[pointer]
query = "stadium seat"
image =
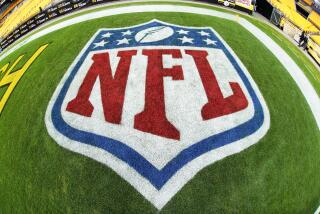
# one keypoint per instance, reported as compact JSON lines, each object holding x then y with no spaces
{"x":26,"y":10}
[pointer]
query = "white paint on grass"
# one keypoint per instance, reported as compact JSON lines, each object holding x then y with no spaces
{"x":154,"y":34}
{"x":183,"y":99}
{"x":154,"y":149}
{"x":160,"y":198}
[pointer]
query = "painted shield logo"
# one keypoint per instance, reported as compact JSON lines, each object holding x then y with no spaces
{"x":157,"y":103}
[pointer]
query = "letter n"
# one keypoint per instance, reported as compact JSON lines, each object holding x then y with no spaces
{"x":112,"y":88}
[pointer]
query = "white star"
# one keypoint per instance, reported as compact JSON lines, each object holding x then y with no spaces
{"x":186,"y":40}
{"x":210,"y":42}
{"x":203,"y":33}
{"x":123,"y":41}
{"x":107,"y":35}
{"x":100,"y":44}
{"x":183,"y":32}
{"x":128,"y":32}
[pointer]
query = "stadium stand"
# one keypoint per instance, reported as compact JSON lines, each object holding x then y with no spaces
{"x":296,"y":17}
{"x":314,"y":18}
{"x":26,"y":10}
{"x":4,"y":7}
{"x":314,"y":43}
{"x":288,"y":9}
{"x":7,"y":8}
{"x":308,"y":2}
{"x":314,"y":47}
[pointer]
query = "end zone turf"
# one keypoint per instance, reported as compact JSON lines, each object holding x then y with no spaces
{"x":168,"y":68}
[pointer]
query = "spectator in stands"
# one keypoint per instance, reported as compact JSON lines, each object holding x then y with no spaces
{"x":303,"y":40}
{"x":306,"y":38}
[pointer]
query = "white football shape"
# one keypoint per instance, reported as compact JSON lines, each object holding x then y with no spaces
{"x":154,"y":34}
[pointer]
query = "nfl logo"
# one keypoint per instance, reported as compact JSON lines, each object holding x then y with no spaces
{"x":157,"y":103}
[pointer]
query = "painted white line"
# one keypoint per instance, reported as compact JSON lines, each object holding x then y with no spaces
{"x":293,"y":69}
{"x":317,"y":211}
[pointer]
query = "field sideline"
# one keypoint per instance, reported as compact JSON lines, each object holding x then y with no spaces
{"x":267,"y":177}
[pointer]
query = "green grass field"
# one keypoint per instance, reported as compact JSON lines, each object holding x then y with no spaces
{"x":280,"y":174}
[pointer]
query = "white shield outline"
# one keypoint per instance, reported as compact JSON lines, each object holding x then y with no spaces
{"x":159,"y":197}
